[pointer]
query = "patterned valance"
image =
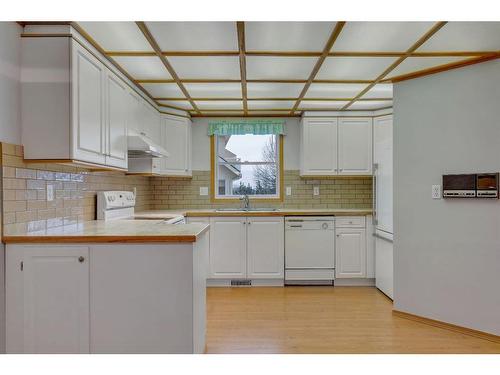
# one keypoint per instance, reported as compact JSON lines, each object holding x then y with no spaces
{"x":246,"y":126}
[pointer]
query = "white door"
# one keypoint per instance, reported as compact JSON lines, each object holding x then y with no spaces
{"x":228,"y":247}
{"x":319,"y":146}
{"x":88,"y":125}
{"x":384,"y":271}
{"x":176,"y":139}
{"x":265,"y":248}
{"x":116,"y":121}
{"x":56,"y":300}
{"x":382,"y":159}
{"x":350,"y":253}
{"x":355,"y":146}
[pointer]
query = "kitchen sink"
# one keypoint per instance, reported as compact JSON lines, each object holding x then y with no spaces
{"x":253,"y":209}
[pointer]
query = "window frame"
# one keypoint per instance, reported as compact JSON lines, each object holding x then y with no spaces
{"x":232,"y":198}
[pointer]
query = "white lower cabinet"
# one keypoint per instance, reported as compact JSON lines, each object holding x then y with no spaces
{"x":246,"y":248}
{"x":350,"y":253}
{"x":48,"y":300}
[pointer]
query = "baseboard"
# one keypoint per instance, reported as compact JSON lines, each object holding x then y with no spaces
{"x":448,"y":326}
{"x":354,"y":282}
{"x":254,"y":283}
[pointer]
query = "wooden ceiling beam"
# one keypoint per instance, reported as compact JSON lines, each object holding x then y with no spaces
{"x":240,"y":27}
{"x":434,"y":29}
{"x":202,"y":80}
{"x":326,"y":50}
{"x":207,"y":99}
{"x":149,"y":37}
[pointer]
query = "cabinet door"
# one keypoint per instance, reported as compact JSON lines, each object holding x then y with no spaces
{"x":88,"y":126}
{"x":265,"y":248}
{"x":350,"y":253}
{"x":56,"y":300}
{"x":177,"y":141}
{"x":355,"y":146}
{"x":319,"y":147}
{"x":228,"y":248}
{"x":116,"y":122}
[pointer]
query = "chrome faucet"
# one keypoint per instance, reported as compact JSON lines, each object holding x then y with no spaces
{"x":246,"y":201}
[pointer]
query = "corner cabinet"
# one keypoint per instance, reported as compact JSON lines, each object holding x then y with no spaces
{"x":176,"y":138}
{"x":336,"y":146}
{"x":73,"y":107}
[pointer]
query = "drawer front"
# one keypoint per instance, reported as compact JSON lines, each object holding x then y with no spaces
{"x":350,"y":222}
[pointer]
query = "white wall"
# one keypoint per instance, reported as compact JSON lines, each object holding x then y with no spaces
{"x":447,"y":252}
{"x":201,"y":144}
{"x":10,"y":56}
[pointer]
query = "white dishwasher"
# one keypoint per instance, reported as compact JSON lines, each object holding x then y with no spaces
{"x":309,"y":249}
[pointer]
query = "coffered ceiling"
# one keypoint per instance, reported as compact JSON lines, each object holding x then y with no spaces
{"x":284,"y":68}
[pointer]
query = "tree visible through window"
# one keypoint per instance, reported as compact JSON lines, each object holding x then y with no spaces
{"x":247,"y":164}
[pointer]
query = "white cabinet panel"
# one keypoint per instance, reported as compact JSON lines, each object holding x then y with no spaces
{"x":176,"y":138}
{"x":355,"y":146}
{"x":319,"y":146}
{"x":265,"y":248}
{"x":88,"y":106}
{"x":350,"y":253}
{"x":116,"y":121}
{"x":56,"y":300}
{"x":228,"y":247}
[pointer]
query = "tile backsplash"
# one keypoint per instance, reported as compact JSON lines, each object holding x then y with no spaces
{"x":25,"y":186}
{"x":356,"y":192}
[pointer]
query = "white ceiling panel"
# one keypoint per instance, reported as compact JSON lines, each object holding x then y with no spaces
{"x":224,"y":104}
{"x":209,"y":67}
{"x":195,"y":36}
{"x":163,"y":90}
{"x":259,"y":67}
{"x":214,"y":90}
{"x":465,"y":36}
{"x":327,"y":105}
{"x":287,"y":36}
{"x":371,"y":105}
{"x":334,"y":90}
{"x":270,"y":104}
{"x":184,"y":104}
{"x":117,"y":36}
{"x":413,"y":64}
{"x":382,"y":90}
{"x":143,"y":67}
{"x":354,"y":67}
{"x":274,"y":90}
{"x":380,"y":36}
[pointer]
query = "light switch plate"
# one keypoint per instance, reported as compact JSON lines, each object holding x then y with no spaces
{"x":50,"y":193}
{"x":288,"y":190}
{"x":203,"y":190}
{"x":315,"y":190}
{"x":436,"y":191}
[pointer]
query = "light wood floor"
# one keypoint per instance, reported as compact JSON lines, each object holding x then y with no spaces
{"x":322,"y":320}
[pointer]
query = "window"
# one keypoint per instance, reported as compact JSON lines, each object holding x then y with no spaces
{"x":247,"y":164}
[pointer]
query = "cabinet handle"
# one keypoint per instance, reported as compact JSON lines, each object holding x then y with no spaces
{"x":81,"y":259}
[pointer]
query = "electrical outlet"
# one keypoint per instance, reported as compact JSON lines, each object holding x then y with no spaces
{"x":315,"y":190}
{"x":50,"y":193}
{"x":436,"y":191}
{"x":203,"y":190}
{"x":288,"y":190}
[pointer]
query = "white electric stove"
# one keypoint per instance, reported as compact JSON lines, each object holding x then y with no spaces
{"x":120,"y":205}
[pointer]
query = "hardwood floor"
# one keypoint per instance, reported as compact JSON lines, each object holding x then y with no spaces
{"x":322,"y":320}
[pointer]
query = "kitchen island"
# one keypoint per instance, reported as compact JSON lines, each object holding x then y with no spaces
{"x":135,"y":286}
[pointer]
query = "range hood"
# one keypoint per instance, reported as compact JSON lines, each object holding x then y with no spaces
{"x":141,"y":147}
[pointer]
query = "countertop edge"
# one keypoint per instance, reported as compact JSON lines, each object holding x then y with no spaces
{"x":188,"y":213}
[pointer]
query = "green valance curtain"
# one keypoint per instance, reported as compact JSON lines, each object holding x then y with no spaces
{"x":246,"y":126}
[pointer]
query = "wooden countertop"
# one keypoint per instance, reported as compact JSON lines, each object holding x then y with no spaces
{"x":123,"y":231}
{"x":280,"y":212}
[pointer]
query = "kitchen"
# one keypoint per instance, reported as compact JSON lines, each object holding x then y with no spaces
{"x":199,"y":187}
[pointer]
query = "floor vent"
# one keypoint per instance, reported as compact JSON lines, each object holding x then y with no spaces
{"x":241,"y":282}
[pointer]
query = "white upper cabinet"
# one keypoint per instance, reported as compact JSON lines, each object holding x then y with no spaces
{"x":319,"y":146}
{"x":116,"y":121}
{"x":336,"y":146}
{"x":355,"y":146}
{"x":74,"y":109}
{"x":176,"y":139}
